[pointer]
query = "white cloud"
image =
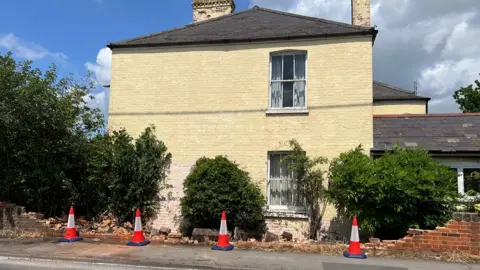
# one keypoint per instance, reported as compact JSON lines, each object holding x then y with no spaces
{"x":430,"y":41}
{"x":28,"y":50}
{"x":101,"y":69}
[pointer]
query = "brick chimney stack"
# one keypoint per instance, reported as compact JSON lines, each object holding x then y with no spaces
{"x":209,"y":9}
{"x":361,"y":12}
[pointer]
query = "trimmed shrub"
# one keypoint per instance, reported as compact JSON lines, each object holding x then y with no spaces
{"x":403,"y":189}
{"x":218,"y":184}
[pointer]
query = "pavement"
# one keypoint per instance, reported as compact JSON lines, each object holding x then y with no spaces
{"x":91,"y":255}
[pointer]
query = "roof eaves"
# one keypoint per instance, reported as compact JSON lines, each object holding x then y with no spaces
{"x":425,"y":115}
{"x":395,"y":98}
{"x":239,"y":40}
{"x":434,"y":152}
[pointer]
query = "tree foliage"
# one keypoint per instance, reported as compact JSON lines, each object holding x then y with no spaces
{"x":45,"y":126}
{"x":310,"y":183}
{"x":53,"y":151}
{"x":215,"y":185}
{"x":404,"y":188}
{"x":138,"y":173}
{"x":468,"y":98}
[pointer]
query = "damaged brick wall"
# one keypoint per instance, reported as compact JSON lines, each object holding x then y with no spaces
{"x":13,"y":217}
{"x":460,"y":233}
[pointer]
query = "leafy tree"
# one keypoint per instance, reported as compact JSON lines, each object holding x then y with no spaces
{"x":44,"y":125}
{"x":218,"y":184}
{"x":310,"y":182}
{"x":404,"y":188}
{"x":468,"y":98}
{"x":137,"y":173}
{"x":53,"y":152}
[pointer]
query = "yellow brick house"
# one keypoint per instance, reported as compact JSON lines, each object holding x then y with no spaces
{"x":242,"y":83}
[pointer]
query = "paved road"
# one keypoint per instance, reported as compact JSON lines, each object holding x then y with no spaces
{"x":7,"y":263}
{"x":181,"y":257}
{"x":16,"y":263}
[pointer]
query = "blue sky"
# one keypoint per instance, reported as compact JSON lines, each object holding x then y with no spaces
{"x":70,"y":33}
{"x":432,"y":46}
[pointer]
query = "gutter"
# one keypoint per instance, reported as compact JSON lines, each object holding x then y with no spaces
{"x":401,"y":98}
{"x":371,"y":31}
{"x":435,"y":153}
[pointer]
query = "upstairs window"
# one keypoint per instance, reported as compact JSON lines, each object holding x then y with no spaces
{"x":288,"y":80}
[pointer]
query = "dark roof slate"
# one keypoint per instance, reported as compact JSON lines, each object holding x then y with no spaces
{"x":433,"y":132}
{"x":254,"y":24}
{"x":383,"y":91}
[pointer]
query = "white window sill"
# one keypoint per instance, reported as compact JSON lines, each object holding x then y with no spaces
{"x":288,"y":111}
{"x":273,"y":213}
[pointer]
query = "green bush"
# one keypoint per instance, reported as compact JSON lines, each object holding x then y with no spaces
{"x":402,"y":189}
{"x":53,"y":152}
{"x":132,"y":172}
{"x":218,"y":184}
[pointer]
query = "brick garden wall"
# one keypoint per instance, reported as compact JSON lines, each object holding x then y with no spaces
{"x":460,"y":233}
{"x":13,"y":217}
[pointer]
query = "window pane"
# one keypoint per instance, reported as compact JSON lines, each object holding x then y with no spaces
{"x":299,"y":94}
{"x":276,"y":67}
{"x":276,"y":94}
{"x":287,"y":98}
{"x":300,"y":66}
{"x":274,"y":166}
{"x":280,"y":193}
{"x":288,"y":67}
{"x":471,"y":180}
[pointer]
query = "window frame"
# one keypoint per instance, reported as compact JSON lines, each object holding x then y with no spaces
{"x":281,"y":208}
{"x":287,"y":53}
{"x":460,"y":166}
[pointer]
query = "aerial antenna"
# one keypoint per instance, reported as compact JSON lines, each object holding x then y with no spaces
{"x":415,"y":87}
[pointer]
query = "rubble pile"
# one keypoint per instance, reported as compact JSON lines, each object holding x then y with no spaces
{"x":107,"y":224}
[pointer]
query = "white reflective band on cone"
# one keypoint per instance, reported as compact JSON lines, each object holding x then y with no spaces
{"x":138,"y":224}
{"x":71,"y":221}
{"x":354,"y":236}
{"x":223,"y":227}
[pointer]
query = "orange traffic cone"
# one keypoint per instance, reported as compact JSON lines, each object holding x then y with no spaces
{"x":138,"y":238}
{"x":354,"y":250}
{"x":71,"y":232}
{"x":223,"y":241}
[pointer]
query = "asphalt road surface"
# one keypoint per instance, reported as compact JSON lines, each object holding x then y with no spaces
{"x":28,"y":264}
{"x":9,"y":263}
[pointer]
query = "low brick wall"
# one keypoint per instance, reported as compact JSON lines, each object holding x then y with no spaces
{"x":13,"y":217}
{"x":460,"y":233}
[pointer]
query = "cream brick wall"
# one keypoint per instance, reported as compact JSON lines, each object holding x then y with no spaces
{"x":400,"y":107}
{"x":212,"y":100}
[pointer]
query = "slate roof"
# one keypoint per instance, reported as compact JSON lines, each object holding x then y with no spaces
{"x":385,"y":92}
{"x":254,"y":24}
{"x":437,"y":133}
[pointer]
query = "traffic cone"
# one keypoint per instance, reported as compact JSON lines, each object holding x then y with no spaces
{"x":138,"y":238}
{"x":223,"y":241}
{"x":354,"y":250}
{"x":71,"y":232}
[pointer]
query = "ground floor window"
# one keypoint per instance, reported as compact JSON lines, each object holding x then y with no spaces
{"x":468,"y":180}
{"x":471,"y":181}
{"x":282,"y":189}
